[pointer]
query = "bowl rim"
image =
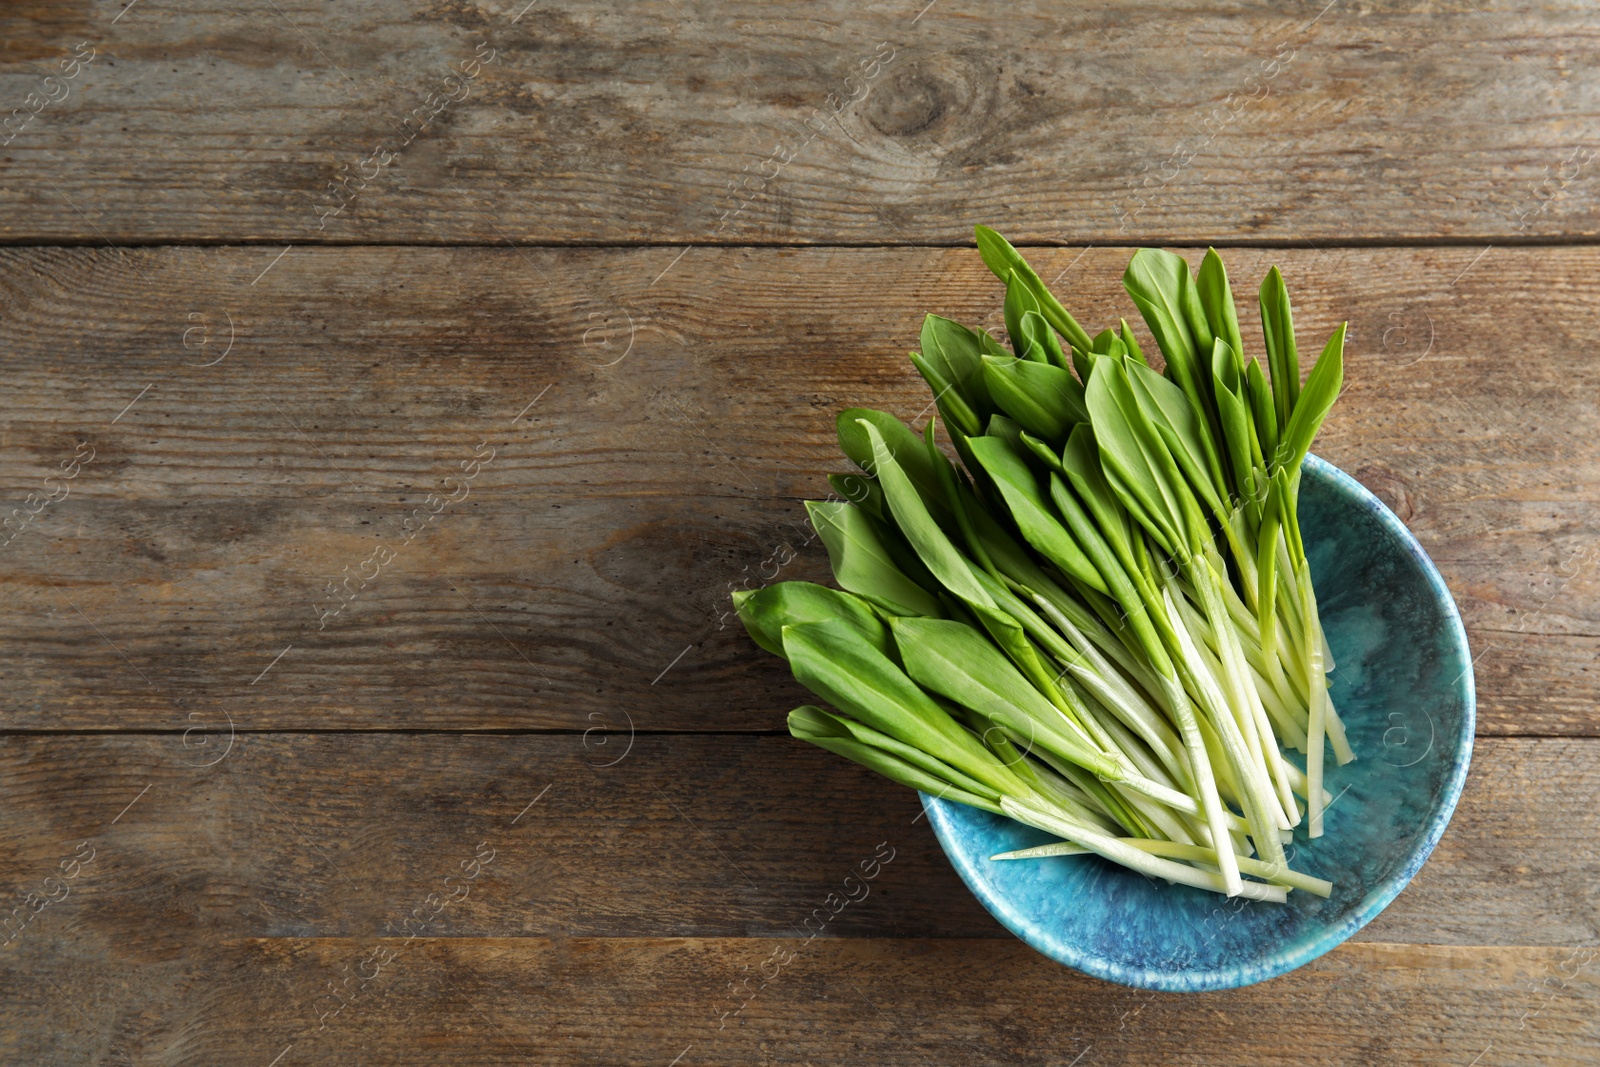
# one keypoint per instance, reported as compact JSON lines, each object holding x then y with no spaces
{"x":941,"y":816}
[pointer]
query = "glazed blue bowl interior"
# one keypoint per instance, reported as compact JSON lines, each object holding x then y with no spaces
{"x":1402,"y":682}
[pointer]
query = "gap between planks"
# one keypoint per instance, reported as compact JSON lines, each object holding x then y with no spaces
{"x":1128,"y":241}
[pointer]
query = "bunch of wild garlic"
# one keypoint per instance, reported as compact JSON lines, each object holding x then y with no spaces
{"x":1101,"y":623}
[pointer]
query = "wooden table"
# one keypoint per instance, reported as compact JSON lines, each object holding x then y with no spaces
{"x":385,"y":442}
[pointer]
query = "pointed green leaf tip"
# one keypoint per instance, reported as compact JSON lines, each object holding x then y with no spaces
{"x":1031,"y":512}
{"x":830,"y":659}
{"x":1045,"y":399}
{"x":1019,"y":301}
{"x":895,"y":760}
{"x":1160,"y":285}
{"x":960,"y":664}
{"x":1283,"y":359}
{"x":1002,"y":260}
{"x":1216,"y":297}
{"x":900,"y":443}
{"x":1321,"y":390}
{"x":765,"y":612}
{"x":910,"y":509}
{"x":954,"y":350}
{"x":863,"y":564}
{"x":1135,"y":460}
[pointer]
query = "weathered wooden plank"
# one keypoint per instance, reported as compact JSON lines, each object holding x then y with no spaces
{"x":655,"y":1002}
{"x":785,"y":122}
{"x":311,"y":834}
{"x":1516,"y":693}
{"x":652,"y":433}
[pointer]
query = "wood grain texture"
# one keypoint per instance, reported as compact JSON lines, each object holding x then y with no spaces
{"x":758,"y":121}
{"x":302,"y":762}
{"x":655,"y":422}
{"x":312,"y":835}
{"x":657,"y":1002}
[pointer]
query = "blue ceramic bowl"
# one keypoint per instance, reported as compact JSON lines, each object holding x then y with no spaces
{"x":1402,"y":684}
